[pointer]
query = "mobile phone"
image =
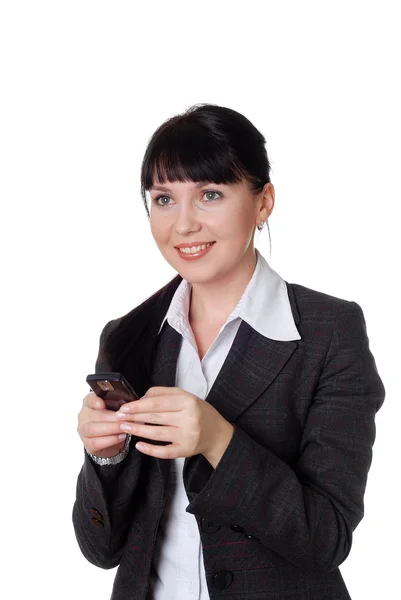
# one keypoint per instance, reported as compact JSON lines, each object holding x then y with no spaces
{"x":113,"y":388}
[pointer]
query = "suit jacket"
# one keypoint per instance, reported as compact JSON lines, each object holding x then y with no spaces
{"x":276,"y":516}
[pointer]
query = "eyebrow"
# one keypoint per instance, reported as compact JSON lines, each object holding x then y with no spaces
{"x":161,"y":188}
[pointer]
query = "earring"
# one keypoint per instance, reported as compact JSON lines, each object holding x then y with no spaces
{"x":261,"y":225}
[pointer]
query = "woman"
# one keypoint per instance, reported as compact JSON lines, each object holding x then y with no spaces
{"x":258,"y":397}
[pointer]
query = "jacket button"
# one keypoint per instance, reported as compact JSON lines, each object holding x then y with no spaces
{"x":222,"y":580}
{"x":252,"y":537}
{"x":97,"y":522}
{"x":237,"y":528}
{"x":209,"y":526}
{"x":96,"y":513}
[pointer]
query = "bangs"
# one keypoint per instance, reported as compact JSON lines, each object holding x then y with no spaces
{"x":188,"y":153}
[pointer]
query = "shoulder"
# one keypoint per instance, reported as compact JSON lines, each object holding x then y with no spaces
{"x":127,"y":344}
{"x":309,"y":301}
{"x":322,"y":318}
{"x":157,"y":302}
{"x":147,"y":315}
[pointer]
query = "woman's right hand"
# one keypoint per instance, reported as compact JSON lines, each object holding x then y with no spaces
{"x":99,"y":428}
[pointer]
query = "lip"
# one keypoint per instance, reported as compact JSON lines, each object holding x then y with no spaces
{"x":192,"y":244}
{"x":187,"y":256}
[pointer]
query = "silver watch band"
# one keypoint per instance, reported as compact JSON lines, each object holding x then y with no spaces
{"x":113,"y":460}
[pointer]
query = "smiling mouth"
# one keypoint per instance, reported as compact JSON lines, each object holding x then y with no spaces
{"x":194,"y":249}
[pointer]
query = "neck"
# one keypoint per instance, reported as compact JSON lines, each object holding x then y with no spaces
{"x":212,"y":302}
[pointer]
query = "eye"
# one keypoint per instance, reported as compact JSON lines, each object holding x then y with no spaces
{"x":156,"y":200}
{"x":159,"y":200}
{"x":211,"y":192}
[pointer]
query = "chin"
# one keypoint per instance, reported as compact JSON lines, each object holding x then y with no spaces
{"x":195,"y":280}
{"x":200,"y":276}
{"x":193,"y":272}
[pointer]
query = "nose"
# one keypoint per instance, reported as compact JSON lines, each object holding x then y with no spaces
{"x":186,"y":220}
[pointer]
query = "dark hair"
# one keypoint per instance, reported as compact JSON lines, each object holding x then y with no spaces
{"x":206,"y":143}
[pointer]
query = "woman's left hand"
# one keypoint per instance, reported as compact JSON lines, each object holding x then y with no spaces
{"x":192,"y":425}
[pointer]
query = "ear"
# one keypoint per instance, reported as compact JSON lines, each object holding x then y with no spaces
{"x":266,"y":202}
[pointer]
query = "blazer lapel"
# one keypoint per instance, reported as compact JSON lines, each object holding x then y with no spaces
{"x":167,"y":350}
{"x":163,"y":374}
{"x":251,"y":366}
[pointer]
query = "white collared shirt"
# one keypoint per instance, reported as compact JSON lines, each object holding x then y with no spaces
{"x":178,"y":570}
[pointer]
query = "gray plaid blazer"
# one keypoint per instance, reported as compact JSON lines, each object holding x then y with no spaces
{"x":277,"y":515}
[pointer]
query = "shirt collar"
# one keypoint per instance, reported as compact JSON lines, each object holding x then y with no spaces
{"x":264,"y":305}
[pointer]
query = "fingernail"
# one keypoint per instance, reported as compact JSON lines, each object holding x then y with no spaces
{"x":125,"y":427}
{"x":120,"y":415}
{"x":122,"y":436}
{"x":124,"y":409}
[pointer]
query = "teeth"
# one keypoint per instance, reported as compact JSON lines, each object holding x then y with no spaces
{"x":194,"y":249}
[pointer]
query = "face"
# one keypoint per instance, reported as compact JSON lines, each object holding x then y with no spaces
{"x":195,"y":214}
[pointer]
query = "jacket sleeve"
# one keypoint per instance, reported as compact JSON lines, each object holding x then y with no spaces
{"x":102,"y":511}
{"x":307,"y":512}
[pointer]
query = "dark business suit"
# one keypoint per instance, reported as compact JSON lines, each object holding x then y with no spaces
{"x":277,"y":514}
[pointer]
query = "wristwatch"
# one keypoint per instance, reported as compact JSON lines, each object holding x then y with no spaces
{"x":113,"y":460}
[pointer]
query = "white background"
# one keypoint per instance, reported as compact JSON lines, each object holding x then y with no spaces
{"x":83,"y":86}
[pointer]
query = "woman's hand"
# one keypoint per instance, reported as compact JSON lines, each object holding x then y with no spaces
{"x":193,"y":426}
{"x":98,"y":428}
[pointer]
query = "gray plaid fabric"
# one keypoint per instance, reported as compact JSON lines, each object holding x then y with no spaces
{"x":277,"y":515}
